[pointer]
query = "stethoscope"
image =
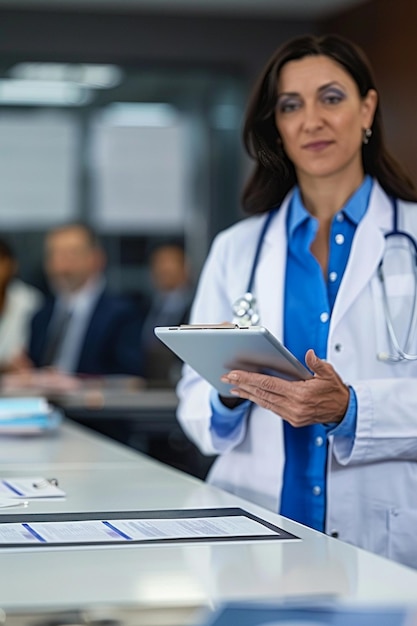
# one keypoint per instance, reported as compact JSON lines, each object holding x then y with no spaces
{"x":399,"y":354}
{"x":245,"y":309}
{"x":246,"y":312}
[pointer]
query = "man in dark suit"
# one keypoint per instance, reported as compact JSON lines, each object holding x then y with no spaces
{"x":170,"y":304}
{"x":82,"y":328}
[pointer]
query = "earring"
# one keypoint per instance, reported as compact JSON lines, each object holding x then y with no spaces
{"x":367,"y":134}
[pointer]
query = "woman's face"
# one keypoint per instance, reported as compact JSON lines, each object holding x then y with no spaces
{"x":320,"y":117}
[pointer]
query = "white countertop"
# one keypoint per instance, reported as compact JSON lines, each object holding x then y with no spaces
{"x":99,"y":475}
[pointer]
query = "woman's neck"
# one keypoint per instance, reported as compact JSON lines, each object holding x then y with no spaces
{"x":324,"y":197}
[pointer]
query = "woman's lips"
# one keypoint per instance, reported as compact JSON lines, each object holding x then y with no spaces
{"x":317,"y":146}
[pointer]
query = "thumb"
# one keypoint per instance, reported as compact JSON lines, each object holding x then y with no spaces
{"x":317,"y":366}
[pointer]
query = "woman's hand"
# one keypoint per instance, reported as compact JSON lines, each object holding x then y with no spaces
{"x":320,"y":400}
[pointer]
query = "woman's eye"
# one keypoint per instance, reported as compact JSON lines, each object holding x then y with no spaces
{"x":333,"y":97}
{"x":287,"y":106}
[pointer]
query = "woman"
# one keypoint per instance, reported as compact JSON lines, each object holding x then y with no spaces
{"x":337,"y":452}
{"x":18,"y":303}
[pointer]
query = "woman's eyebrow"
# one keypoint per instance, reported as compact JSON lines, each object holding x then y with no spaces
{"x":290,"y":94}
{"x":333,"y":83}
{"x":295,"y":94}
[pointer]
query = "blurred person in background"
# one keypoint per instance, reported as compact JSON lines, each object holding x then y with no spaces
{"x":169,"y":305}
{"x":18,"y":303}
{"x":82,"y":328}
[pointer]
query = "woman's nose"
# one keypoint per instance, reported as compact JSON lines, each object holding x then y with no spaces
{"x":312,"y":118}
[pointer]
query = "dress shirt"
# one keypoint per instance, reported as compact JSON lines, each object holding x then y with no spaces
{"x":309,"y":299}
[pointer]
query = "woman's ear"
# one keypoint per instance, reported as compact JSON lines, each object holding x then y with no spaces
{"x":369,"y":105}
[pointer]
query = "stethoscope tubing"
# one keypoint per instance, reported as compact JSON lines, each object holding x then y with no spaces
{"x":401,"y":354}
{"x":261,"y":238}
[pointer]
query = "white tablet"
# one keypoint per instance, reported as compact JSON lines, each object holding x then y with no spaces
{"x":213,"y":350}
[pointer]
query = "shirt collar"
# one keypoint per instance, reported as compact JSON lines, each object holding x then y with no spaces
{"x":355,"y":208}
{"x":84,"y":296}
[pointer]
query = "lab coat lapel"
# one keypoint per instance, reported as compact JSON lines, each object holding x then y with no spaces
{"x":366,"y":252}
{"x":270,"y":274}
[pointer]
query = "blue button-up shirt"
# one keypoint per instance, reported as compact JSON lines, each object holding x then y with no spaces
{"x":308,"y":302}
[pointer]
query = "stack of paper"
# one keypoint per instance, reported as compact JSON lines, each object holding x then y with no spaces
{"x":27,"y":416}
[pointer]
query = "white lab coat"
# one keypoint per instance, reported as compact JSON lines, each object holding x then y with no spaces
{"x":371,"y":479}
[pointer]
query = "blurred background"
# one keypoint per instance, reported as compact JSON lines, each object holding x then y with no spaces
{"x":127,"y":113}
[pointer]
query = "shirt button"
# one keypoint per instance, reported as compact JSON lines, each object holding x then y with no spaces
{"x":339,"y":239}
{"x":338,"y":347}
{"x":340,"y":217}
{"x":324,"y":317}
{"x":319,"y":441}
{"x":316,"y":490}
{"x":332,"y":276}
{"x":334,"y":534}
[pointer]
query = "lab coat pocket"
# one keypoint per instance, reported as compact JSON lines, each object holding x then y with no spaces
{"x":402,"y":544}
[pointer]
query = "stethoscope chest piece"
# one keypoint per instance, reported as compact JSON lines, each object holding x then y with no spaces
{"x":245,"y":311}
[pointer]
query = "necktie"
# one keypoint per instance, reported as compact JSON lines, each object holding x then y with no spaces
{"x":56,"y":336}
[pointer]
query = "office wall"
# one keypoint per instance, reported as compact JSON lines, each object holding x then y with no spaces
{"x":144,"y":38}
{"x":387,"y":32}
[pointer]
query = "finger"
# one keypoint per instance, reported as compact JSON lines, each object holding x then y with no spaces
{"x":251,"y":381}
{"x":311,"y":358}
{"x":318,"y":366}
{"x":262,"y":399}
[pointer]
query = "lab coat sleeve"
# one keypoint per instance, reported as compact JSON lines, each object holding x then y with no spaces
{"x":212,"y":304}
{"x":386,"y":426}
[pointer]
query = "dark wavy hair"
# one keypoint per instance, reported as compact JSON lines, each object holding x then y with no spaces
{"x":274,"y":174}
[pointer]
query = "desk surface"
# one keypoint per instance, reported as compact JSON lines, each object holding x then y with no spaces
{"x":143,"y":419}
{"x":108,"y":394}
{"x":171,"y":577}
{"x":70,"y":446}
{"x":118,"y":399}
